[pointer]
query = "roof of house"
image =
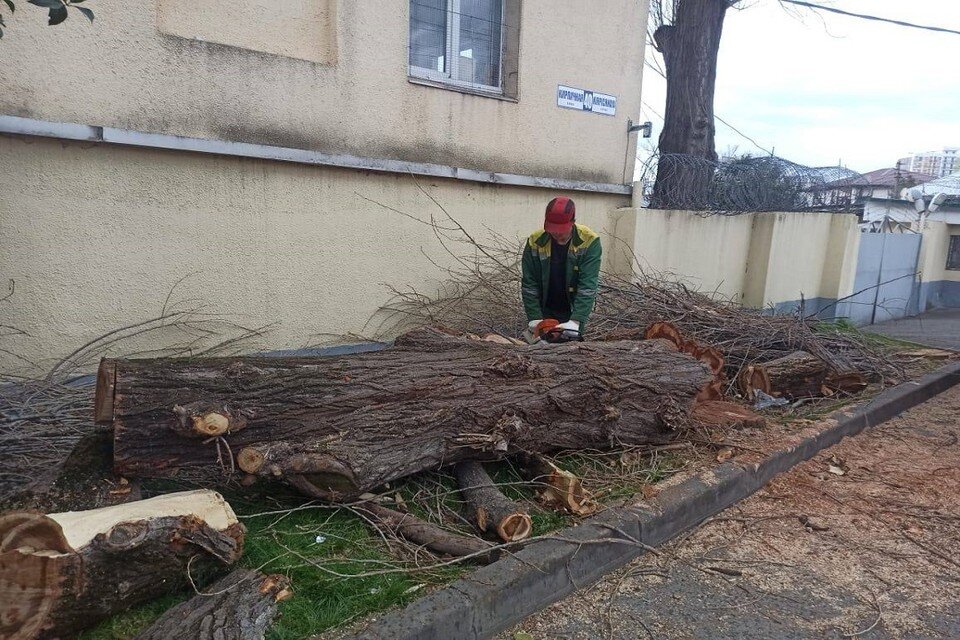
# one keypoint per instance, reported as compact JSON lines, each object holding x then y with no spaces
{"x":949,"y":185}
{"x":891,"y":178}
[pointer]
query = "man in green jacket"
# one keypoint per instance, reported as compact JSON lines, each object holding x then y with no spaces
{"x":561,"y":270}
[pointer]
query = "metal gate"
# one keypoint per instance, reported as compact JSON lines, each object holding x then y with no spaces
{"x":886,"y":278}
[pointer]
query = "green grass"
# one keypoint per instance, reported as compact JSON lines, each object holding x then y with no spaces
{"x":286,"y":543}
{"x":885,"y":343}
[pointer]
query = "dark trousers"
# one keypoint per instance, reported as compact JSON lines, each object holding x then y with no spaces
{"x":561,"y":315}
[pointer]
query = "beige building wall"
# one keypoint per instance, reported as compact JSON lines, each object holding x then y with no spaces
{"x":757,"y":259}
{"x":95,"y":236}
{"x":250,"y":71}
{"x":933,"y":251}
{"x":304,"y":29}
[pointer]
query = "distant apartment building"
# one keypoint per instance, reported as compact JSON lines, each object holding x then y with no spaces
{"x":936,"y":163}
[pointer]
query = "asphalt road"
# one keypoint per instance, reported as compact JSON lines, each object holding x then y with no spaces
{"x":938,"y":328}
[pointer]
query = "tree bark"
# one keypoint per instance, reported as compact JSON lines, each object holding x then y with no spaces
{"x":710,"y":356}
{"x":687,"y":148}
{"x":63,"y":572}
{"x":797,"y":375}
{"x":336,"y":427}
{"x":432,"y":537}
{"x":488,"y":509}
{"x":240,"y":606}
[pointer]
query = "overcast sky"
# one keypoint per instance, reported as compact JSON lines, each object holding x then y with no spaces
{"x":823,"y":90}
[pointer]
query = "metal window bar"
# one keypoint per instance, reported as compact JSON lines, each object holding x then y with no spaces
{"x":442,"y":32}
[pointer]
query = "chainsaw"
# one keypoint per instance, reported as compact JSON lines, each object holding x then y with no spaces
{"x":549,"y":331}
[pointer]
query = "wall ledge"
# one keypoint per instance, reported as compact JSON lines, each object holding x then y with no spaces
{"x":109,"y":135}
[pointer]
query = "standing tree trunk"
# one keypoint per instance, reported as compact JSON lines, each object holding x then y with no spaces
{"x":63,"y":572}
{"x":687,"y":149}
{"x":336,"y":427}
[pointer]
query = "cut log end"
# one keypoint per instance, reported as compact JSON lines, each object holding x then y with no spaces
{"x":489,"y":509}
{"x":199,"y":420}
{"x":250,"y":460}
{"x":211,"y":424}
{"x":33,"y":531}
{"x":664,"y":331}
{"x":515,"y":527}
{"x":64,"y":572}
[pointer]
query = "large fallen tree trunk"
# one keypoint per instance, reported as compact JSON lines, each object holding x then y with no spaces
{"x":63,"y":572}
{"x":336,"y":427}
{"x":239,"y":606}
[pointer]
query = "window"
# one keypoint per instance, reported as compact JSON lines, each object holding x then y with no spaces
{"x":953,"y":254}
{"x":464,"y":43}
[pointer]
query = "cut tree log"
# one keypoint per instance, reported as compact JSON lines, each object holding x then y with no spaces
{"x":63,"y":572}
{"x":489,"y":509}
{"x":797,"y":375}
{"x":336,"y":427}
{"x":710,"y":356}
{"x":431,"y":536}
{"x":240,"y":606}
{"x":557,"y":488}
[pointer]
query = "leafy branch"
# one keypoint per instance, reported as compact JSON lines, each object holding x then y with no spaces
{"x":58,"y":10}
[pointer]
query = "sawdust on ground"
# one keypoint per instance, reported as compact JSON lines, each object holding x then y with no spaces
{"x":869,"y":527}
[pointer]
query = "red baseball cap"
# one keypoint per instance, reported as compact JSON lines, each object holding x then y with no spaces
{"x":561,"y":213}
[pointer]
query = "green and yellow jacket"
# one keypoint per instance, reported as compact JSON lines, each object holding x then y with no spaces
{"x":583,"y":273}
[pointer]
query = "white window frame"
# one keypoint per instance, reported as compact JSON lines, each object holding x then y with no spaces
{"x":453,"y":54}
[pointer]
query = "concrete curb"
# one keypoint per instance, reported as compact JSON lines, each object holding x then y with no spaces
{"x":495,"y":597}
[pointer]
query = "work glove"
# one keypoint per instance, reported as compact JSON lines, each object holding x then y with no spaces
{"x":528,"y":335}
{"x":571,"y":329}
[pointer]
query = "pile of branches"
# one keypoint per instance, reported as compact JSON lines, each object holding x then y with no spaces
{"x":40,"y":423}
{"x":47,"y":408}
{"x":480,"y":294}
{"x":744,"y":336}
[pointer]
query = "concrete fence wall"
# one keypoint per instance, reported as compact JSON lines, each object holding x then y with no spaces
{"x":758,"y":259}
